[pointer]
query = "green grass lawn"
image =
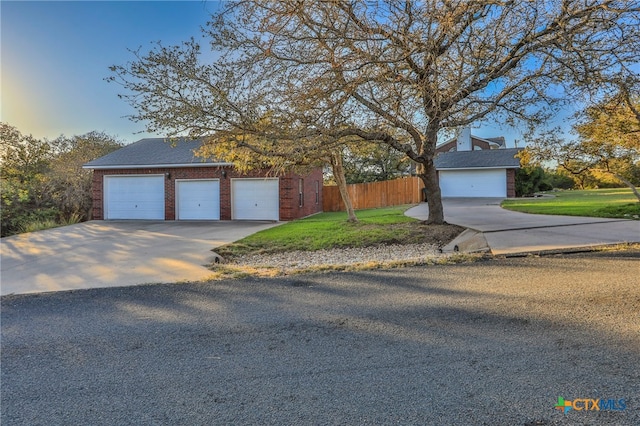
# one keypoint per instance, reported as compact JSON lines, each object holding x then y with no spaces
{"x":331,"y":230}
{"x":613,"y":203}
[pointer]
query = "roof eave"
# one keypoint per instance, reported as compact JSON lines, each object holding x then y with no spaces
{"x":154,"y":166}
{"x":477,"y":167}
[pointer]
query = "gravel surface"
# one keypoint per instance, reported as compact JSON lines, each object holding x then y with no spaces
{"x":293,"y":260}
{"x":494,"y":342}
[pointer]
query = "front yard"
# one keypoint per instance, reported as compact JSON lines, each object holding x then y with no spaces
{"x":384,"y":237}
{"x":331,"y":230}
{"x":612,"y":203}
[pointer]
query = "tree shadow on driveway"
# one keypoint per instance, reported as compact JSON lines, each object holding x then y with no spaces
{"x":486,"y":343}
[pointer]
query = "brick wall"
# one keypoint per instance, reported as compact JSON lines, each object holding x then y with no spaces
{"x":446,"y":147}
{"x":480,"y":144}
{"x":453,"y":144}
{"x":511,"y":183}
{"x":293,"y":205}
{"x":289,"y":184}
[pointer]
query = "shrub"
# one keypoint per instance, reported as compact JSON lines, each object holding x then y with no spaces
{"x":72,"y":219}
{"x":560,"y":181}
{"x":530,"y":180}
{"x":38,"y":225}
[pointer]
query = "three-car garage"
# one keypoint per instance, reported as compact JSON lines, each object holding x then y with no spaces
{"x":142,"y":197}
{"x":167,"y":179}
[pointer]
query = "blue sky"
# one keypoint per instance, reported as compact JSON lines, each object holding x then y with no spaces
{"x":55,"y":56}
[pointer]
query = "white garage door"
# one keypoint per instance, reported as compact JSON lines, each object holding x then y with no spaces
{"x":198,"y":199}
{"x":255,"y":199}
{"x":134,"y":197}
{"x":473,"y":183}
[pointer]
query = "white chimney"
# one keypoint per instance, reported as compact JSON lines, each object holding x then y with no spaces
{"x":464,"y":139}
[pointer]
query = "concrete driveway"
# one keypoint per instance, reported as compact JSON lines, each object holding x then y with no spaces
{"x":507,"y":232}
{"x":114,"y":253}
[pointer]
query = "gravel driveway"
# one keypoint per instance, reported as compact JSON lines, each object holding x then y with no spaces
{"x":494,"y":342}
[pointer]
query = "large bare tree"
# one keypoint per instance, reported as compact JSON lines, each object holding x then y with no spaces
{"x":393,"y":72}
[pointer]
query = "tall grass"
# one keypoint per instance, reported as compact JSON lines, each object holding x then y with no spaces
{"x":38,"y":225}
{"x":42,"y":224}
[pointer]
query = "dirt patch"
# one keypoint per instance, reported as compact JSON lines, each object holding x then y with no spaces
{"x":439,"y":235}
{"x":410,"y":233}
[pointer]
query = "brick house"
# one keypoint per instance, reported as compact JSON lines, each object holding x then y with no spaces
{"x":470,"y":166}
{"x":154,"y":179}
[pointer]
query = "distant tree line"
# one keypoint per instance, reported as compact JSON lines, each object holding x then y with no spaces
{"x":606,"y":152}
{"x":43,"y":182}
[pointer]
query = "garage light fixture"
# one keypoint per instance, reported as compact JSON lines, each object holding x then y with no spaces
{"x":167,"y":175}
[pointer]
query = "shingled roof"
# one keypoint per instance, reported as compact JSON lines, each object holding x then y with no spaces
{"x":155,"y":152}
{"x":486,"y":158}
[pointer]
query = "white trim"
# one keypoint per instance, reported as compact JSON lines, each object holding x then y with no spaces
{"x":478,"y":168}
{"x":196,"y":179}
{"x":157,"y":166}
{"x":440,"y":145}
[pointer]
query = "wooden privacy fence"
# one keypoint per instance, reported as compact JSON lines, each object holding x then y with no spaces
{"x":375,"y":194}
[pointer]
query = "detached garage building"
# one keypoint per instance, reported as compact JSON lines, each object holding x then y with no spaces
{"x":154,"y":179}
{"x":471,"y":166}
{"x":480,"y":173}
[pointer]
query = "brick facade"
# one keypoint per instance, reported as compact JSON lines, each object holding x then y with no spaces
{"x":291,"y":185}
{"x":300,"y":196}
{"x":511,"y":183}
{"x":477,"y":144}
{"x":451,"y":145}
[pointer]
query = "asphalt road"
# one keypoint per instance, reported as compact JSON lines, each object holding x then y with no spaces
{"x":490,"y":343}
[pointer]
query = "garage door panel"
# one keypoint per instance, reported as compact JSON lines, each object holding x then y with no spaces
{"x":255,"y":199}
{"x":134,"y":197}
{"x":198,"y":200}
{"x":473,"y":183}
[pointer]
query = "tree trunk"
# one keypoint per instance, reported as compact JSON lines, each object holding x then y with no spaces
{"x":429,"y":177}
{"x":338,"y":174}
{"x":427,"y":172}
